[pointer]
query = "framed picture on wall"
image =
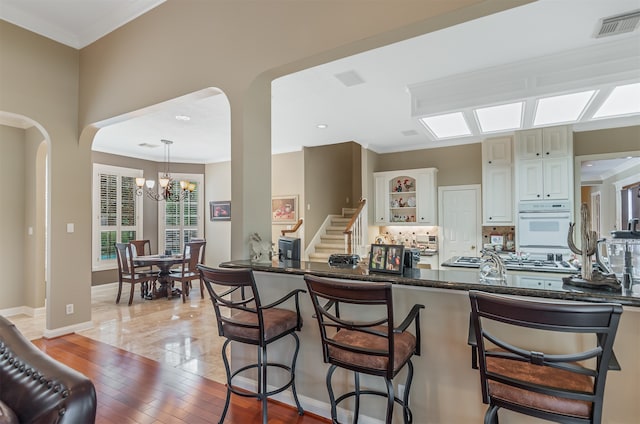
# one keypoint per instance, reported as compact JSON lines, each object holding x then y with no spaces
{"x":220,"y":211}
{"x":386,"y":258}
{"x":284,"y":209}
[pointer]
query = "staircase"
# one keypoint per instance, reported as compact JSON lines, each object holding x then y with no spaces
{"x":331,"y":238}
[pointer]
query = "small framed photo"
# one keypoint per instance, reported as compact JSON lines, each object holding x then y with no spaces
{"x":220,"y":211}
{"x":386,"y":258}
{"x":284,"y":209}
{"x":497,"y":239}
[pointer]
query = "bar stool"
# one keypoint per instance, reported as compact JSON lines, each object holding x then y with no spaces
{"x":242,"y":318}
{"x":565,"y":387}
{"x":374,"y":347}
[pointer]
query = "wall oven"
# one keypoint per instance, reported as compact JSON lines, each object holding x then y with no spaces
{"x":543,"y":227}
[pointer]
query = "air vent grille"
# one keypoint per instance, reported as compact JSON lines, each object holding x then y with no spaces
{"x":619,"y":24}
{"x":349,"y":78}
{"x":149,"y":145}
{"x":409,"y":133}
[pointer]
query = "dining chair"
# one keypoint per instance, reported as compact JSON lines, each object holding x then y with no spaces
{"x":142,"y":247}
{"x":202,"y":258}
{"x":242,"y":318}
{"x":564,"y":387}
{"x":127,"y":272}
{"x":358,"y":333}
{"x":193,"y":255}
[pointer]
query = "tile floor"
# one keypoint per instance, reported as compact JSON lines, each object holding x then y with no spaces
{"x":181,"y":335}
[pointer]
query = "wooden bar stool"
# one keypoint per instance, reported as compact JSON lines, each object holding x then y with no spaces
{"x":242,"y":318}
{"x":372,"y":346}
{"x":564,"y":387}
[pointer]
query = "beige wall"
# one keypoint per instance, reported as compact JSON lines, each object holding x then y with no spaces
{"x":457,"y":165}
{"x":287,"y":178}
{"x":328,"y":175}
{"x":218,"y":233}
{"x":12,"y":163}
{"x":176,"y":49}
{"x":625,"y":139}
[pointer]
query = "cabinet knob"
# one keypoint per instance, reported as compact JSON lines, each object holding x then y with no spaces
{"x":547,"y":153}
{"x":473,"y":247}
{"x":489,"y":161}
{"x":537,"y":195}
{"x":537,"y":154}
{"x":490,"y":217}
{"x":548,"y":195}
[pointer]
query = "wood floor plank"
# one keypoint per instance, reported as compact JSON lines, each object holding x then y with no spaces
{"x":132,"y":389}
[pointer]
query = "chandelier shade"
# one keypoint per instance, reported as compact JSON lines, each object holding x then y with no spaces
{"x":165,"y":182}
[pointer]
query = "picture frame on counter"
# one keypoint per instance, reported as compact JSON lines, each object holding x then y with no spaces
{"x":220,"y":210}
{"x":387,"y":258}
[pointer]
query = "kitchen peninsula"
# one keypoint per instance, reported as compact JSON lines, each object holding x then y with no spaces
{"x":446,"y":388}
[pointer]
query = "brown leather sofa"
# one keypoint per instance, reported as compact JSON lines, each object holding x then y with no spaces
{"x":37,"y":389}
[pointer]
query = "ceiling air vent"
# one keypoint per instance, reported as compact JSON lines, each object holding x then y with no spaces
{"x":409,"y":133}
{"x":149,"y":145}
{"x":619,"y":24}
{"x":349,"y":78}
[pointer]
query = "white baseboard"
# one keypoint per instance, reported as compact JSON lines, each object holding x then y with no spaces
{"x":23,"y":310}
{"x":57,"y":332}
{"x":315,"y":406}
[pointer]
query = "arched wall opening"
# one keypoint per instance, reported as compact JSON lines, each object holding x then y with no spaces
{"x":127,"y":140}
{"x":27,"y":226}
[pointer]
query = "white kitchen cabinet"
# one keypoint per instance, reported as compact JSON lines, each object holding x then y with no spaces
{"x":381,"y":202}
{"x":544,"y":179}
{"x":497,"y":151}
{"x":543,"y":143}
{"x":543,"y":164}
{"x":497,"y":186}
{"x":406,"y":197}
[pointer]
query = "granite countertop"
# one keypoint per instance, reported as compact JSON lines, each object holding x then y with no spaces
{"x":534,"y":284}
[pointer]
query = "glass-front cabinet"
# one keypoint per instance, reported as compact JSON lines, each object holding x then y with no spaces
{"x":406,"y":197}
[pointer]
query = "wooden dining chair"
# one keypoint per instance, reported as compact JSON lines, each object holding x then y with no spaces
{"x":142,"y":247}
{"x":193,"y":254}
{"x":127,"y":272}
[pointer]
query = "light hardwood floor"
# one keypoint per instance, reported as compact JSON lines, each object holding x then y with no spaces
{"x":181,"y":335}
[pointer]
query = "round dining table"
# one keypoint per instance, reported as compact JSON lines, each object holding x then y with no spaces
{"x":164,"y":264}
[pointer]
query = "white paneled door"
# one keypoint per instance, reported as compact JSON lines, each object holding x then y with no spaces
{"x":460,"y":221}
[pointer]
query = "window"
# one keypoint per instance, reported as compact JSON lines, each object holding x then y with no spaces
{"x":116,"y":210}
{"x":180,"y":220}
{"x":630,"y":199}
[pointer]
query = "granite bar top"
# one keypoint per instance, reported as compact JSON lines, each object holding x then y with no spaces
{"x":533,"y":284}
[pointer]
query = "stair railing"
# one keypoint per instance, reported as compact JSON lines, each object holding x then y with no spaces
{"x":353,"y":233}
{"x":292,"y":230}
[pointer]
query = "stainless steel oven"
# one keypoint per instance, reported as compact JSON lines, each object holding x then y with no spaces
{"x":543,"y":227}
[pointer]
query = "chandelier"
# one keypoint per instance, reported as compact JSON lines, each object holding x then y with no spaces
{"x":166,"y":182}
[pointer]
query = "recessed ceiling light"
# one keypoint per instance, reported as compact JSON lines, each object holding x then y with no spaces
{"x":183,"y":118}
{"x":322,"y":126}
{"x":500,"y":118}
{"x":560,"y":109}
{"x":623,"y":100}
{"x":447,"y":125}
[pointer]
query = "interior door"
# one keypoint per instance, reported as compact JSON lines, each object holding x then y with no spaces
{"x":460,"y":223}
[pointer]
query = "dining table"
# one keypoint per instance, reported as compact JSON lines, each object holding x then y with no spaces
{"x":164,"y":263}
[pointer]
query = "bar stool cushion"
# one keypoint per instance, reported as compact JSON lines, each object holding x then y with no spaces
{"x":404,"y":348}
{"x":548,"y":376}
{"x":276,"y":322}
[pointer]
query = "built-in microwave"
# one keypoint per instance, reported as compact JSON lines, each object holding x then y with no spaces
{"x":543,"y":227}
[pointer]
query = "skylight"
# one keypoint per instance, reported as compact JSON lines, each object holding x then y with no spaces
{"x":500,"y":118}
{"x":561,"y":109}
{"x":447,"y":125}
{"x":623,"y":100}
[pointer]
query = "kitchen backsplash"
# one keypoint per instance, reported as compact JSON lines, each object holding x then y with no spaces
{"x":504,"y":236}
{"x":407,"y":234}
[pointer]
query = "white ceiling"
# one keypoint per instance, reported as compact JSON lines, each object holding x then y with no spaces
{"x":377,"y":113}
